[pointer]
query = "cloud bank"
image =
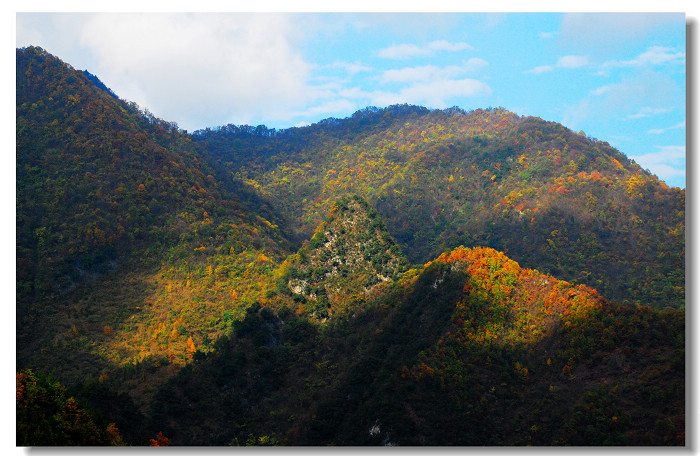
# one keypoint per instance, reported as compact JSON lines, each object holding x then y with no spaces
{"x":199,"y":67}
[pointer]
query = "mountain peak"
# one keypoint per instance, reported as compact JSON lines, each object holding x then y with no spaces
{"x":350,"y":253}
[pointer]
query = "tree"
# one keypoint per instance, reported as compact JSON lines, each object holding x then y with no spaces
{"x":160,"y":440}
{"x":47,"y":415}
{"x":191,"y":349}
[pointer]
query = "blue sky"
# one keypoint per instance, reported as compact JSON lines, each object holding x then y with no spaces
{"x":618,"y":77}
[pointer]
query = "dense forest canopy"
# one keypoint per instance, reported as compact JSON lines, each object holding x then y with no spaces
{"x":549,"y":197}
{"x":401,"y":276}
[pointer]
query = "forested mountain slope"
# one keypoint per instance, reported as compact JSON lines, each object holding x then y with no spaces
{"x":551,"y":198}
{"x":249,"y":286}
{"x":471,"y":349}
{"x":350,"y":253}
{"x":127,"y":246}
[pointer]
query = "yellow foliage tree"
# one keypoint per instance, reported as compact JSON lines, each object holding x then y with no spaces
{"x":191,"y":349}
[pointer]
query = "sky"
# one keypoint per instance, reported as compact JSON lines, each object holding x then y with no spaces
{"x":618,"y":77}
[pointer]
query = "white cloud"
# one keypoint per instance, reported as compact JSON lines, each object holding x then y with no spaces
{"x":26,"y":35}
{"x":351,"y":67}
{"x":572,"y":61}
{"x":430,"y":85}
{"x":540,"y":69}
{"x":647,"y":111}
{"x":443,"y":45}
{"x":665,"y":172}
{"x":645,"y":93}
{"x":401,"y":51}
{"x":474,"y":64}
{"x":546,"y":35}
{"x":658,"y":131}
{"x":576,"y":115}
{"x":432,"y":72}
{"x":666,"y":154}
{"x":340,"y":106}
{"x":404,"y":51}
{"x":567,"y":61}
{"x":654,"y":90}
{"x":437,"y":93}
{"x":57,"y":34}
{"x":600,"y":90}
{"x":432,"y":94}
{"x":421,"y":73}
{"x":669,"y":155}
{"x":200,"y":66}
{"x":667,"y":163}
{"x":655,"y":55}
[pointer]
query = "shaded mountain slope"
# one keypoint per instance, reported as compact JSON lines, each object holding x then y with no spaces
{"x":528,"y":359}
{"x":469,"y":350}
{"x":47,"y":416}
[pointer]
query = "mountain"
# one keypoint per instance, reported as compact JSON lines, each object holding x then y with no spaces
{"x":46,"y":417}
{"x":350,"y":252}
{"x":97,"y":179}
{"x":122,"y":230}
{"x":403,"y":276}
{"x":470,"y":349}
{"x":550,"y":198}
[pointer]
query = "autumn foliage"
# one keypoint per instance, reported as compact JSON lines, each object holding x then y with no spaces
{"x":249,"y":286}
{"x":47,"y":416}
{"x":160,"y":441}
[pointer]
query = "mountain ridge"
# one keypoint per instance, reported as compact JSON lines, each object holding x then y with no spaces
{"x":491,"y":171}
{"x":155,"y":275}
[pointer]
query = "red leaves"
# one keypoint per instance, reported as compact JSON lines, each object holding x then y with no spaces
{"x":160,"y":440}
